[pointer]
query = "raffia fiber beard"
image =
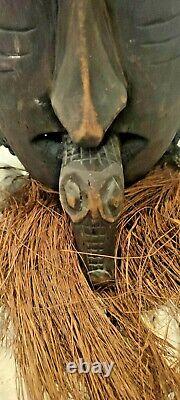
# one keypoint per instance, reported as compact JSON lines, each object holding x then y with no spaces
{"x":57,"y":318}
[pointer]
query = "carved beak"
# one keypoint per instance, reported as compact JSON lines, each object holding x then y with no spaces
{"x":89,"y":87}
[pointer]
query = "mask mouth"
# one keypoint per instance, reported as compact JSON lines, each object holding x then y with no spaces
{"x":91,"y":189}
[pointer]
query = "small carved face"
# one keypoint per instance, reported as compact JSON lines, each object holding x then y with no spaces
{"x":76,"y":65}
{"x":92,"y":193}
{"x":99,"y":193}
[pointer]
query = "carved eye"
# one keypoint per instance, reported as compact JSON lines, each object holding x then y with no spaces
{"x":73,"y":197}
{"x":112,"y":199}
{"x":15,"y":45}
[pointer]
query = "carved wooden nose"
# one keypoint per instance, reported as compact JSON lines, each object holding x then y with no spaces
{"x":89,"y":87}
